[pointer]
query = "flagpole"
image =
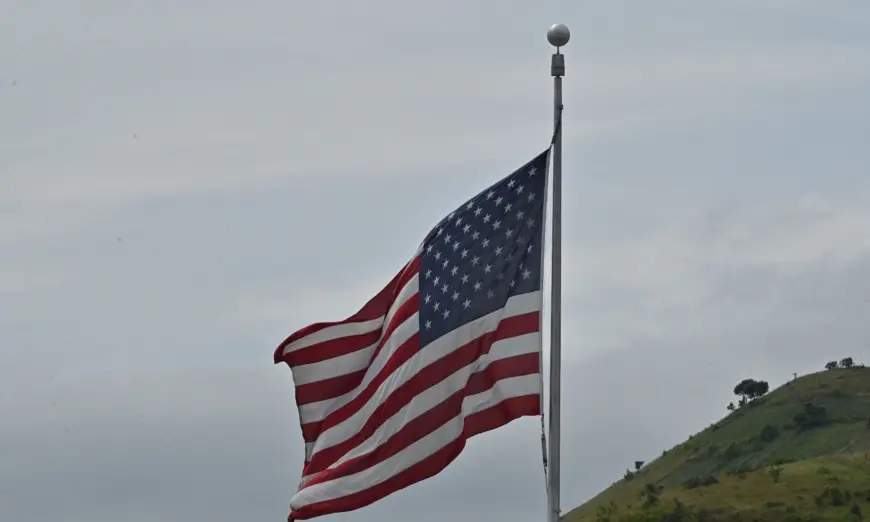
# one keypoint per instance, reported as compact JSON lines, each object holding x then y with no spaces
{"x":558,"y":35}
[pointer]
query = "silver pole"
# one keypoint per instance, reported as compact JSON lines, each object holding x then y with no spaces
{"x":558,"y":35}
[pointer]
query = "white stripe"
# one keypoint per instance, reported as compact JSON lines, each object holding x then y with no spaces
{"x":516,"y":305}
{"x":335,"y":367}
{"x":317,"y":411}
{"x":337,"y":331}
{"x":434,"y":395}
{"x":419,"y":450}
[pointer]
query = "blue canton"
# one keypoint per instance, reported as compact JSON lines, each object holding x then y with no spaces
{"x":484,"y":252}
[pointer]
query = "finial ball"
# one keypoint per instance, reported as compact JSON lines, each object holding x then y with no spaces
{"x":558,"y":35}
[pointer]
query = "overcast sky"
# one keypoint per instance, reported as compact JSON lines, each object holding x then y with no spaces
{"x":183,"y":184}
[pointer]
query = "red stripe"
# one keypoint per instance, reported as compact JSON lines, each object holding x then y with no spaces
{"x":376,"y":307}
{"x":328,"y":388}
{"x":331,"y":349}
{"x":516,"y":366}
{"x":399,"y":398}
{"x":480,"y":422}
{"x":508,"y":327}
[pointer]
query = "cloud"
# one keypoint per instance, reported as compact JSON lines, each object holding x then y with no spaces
{"x":183,"y":185}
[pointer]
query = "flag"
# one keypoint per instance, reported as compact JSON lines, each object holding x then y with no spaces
{"x":449,"y":349}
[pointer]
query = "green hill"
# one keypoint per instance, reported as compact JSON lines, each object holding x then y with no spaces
{"x":799,"y":453}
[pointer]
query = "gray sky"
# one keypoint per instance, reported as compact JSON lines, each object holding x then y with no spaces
{"x":182,"y":184}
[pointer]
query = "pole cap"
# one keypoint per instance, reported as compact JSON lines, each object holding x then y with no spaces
{"x":558,"y":35}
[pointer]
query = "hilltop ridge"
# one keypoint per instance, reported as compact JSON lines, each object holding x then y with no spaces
{"x":798,"y":453}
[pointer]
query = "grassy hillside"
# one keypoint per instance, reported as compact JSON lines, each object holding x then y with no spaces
{"x":799,"y":453}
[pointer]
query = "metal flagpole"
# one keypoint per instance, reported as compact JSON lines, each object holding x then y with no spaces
{"x":558,"y":35}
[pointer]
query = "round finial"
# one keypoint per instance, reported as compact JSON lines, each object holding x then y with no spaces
{"x":558,"y":35}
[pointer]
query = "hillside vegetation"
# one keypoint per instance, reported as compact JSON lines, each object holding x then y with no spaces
{"x":799,"y":453}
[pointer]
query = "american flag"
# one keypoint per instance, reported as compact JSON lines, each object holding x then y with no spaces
{"x":449,"y":349}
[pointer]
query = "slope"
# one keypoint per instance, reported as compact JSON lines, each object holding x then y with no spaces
{"x":801,"y":452}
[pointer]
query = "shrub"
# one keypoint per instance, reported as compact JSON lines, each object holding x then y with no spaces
{"x":831,"y":365}
{"x":732,"y":452}
{"x":700,"y":482}
{"x":856,"y":510}
{"x":812,"y":417}
{"x":629,"y":475}
{"x":833,"y":496}
{"x":769,"y":433}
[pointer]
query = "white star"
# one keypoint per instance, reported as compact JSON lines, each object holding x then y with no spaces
{"x":447,"y":239}
{"x":446,"y":313}
{"x":428,"y":325}
{"x":530,"y":223}
{"x":511,"y":183}
{"x":435,"y":281}
{"x":464,"y":278}
{"x":428,"y":274}
{"x":531,"y":196}
{"x":464,"y":254}
{"x":475,"y":235}
{"x":429,"y":248}
{"x":529,"y":249}
{"x":440,"y":230}
{"x":455,"y":296}
{"x":470,"y":205}
{"x":498,"y":200}
{"x":436,"y":306}
{"x":532,"y":171}
{"x":498,"y":250}
{"x":496,"y":224}
{"x":466,"y":303}
{"x":477,"y":285}
{"x":490,"y":294}
{"x":490,"y":194}
{"x":487,"y":269}
{"x":456,"y":246}
{"x":458,"y":222}
{"x":454,"y":270}
{"x":527,"y":273}
{"x":427,"y":298}
{"x":485,"y":242}
{"x":520,"y":189}
{"x":477,"y":211}
{"x":508,"y":207}
{"x":445,"y":263}
{"x":438,"y":254}
{"x":444,"y":288}
{"x":508,"y":233}
{"x":520,"y":214}
{"x":486,"y":218}
{"x":513,"y":283}
{"x":475,"y":260}
{"x":466,"y":228}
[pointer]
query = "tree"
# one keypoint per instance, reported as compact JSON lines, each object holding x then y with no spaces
{"x":750,"y":390}
{"x":742,"y":389}
{"x":638,"y":464}
{"x":775,"y":471}
{"x":846,"y":363}
{"x":831,"y":365}
{"x":759,"y":390}
{"x":731,"y":406}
